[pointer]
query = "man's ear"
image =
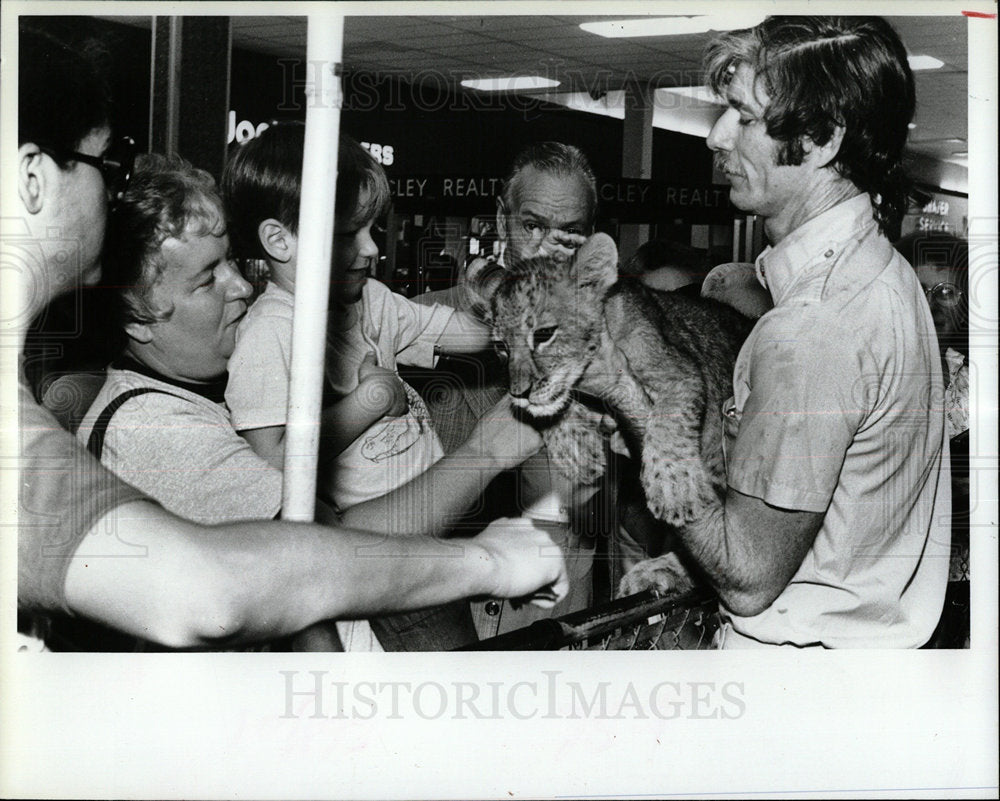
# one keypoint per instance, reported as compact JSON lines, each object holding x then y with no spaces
{"x":824,"y":154}
{"x":140,"y":332}
{"x":32,"y":178}
{"x":501,"y":220}
{"x":276,"y":240}
{"x":596,"y":262}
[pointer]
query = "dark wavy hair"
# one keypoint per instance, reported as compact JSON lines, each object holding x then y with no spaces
{"x":63,"y":94}
{"x":557,"y":158}
{"x":166,"y":197}
{"x":827,"y":72}
{"x":263,"y":180}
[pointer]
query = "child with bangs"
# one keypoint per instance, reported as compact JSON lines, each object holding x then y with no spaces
{"x":377,"y":431}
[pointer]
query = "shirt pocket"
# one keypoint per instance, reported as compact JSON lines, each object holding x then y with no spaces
{"x":731,"y":418}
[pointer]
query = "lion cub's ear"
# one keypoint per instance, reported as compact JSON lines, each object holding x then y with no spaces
{"x":596,"y":262}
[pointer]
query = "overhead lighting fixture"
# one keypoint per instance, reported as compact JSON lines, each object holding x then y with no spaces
{"x":672,"y":26}
{"x":510,"y":83}
{"x":924,"y":63}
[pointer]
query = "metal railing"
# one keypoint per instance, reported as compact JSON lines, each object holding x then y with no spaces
{"x":638,"y":622}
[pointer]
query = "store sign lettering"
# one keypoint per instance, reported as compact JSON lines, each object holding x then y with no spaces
{"x":243,"y":130}
{"x":697,"y":197}
{"x":931,"y":224}
{"x":471,"y":187}
{"x":407,"y":187}
{"x":646,"y":191}
{"x":627,"y":198}
{"x":624,"y":193}
{"x":383,"y":154}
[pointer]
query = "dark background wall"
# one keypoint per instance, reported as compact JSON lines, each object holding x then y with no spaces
{"x":124,"y":52}
{"x":434,"y":132}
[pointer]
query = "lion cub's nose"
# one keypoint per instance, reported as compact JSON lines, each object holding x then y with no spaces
{"x":520,"y":389}
{"x":520,"y":383}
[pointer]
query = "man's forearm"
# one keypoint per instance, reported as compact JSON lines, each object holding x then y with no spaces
{"x":750,"y":550}
{"x":257,"y":580}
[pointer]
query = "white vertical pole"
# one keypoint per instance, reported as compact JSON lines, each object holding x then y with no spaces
{"x":324,"y":49}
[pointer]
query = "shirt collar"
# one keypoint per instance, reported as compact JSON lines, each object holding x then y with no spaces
{"x":798,"y":266}
{"x":214,"y":390}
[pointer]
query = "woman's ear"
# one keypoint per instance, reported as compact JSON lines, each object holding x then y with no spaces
{"x":32,"y":181}
{"x":275,"y":240}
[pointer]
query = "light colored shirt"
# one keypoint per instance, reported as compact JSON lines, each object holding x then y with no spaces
{"x":837,"y":409}
{"x":395,"y":449}
{"x":180,"y":448}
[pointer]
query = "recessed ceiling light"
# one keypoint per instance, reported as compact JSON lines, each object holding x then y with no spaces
{"x":911,"y":125}
{"x":672,"y":26}
{"x":924,"y":63}
{"x":510,"y":83}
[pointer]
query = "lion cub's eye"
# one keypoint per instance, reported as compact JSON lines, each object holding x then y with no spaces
{"x":543,"y":335}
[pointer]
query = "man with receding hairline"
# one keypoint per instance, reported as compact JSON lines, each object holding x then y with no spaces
{"x":547,"y":207}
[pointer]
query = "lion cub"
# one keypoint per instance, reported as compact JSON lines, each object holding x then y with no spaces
{"x":662,"y":362}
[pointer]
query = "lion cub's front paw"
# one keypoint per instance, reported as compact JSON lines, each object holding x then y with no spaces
{"x":677,"y":491}
{"x":666,"y":574}
{"x":576,"y":447}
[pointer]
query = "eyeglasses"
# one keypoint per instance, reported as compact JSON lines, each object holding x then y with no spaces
{"x":115,"y":165}
{"x":944,"y":295}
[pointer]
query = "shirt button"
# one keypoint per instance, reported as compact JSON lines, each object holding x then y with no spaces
{"x":492,"y":608}
{"x":828,"y":254}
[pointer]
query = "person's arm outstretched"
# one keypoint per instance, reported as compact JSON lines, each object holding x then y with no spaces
{"x":220,"y":586}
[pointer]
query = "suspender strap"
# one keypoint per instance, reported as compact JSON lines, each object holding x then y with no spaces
{"x":95,"y":444}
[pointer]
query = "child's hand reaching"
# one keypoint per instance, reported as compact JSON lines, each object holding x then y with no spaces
{"x":380,"y":389}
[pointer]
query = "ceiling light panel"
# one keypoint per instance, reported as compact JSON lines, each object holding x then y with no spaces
{"x":924,"y":63}
{"x":671,"y":26}
{"x":510,"y":83}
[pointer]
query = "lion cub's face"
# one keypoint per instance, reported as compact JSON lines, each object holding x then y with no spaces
{"x":548,"y":315}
